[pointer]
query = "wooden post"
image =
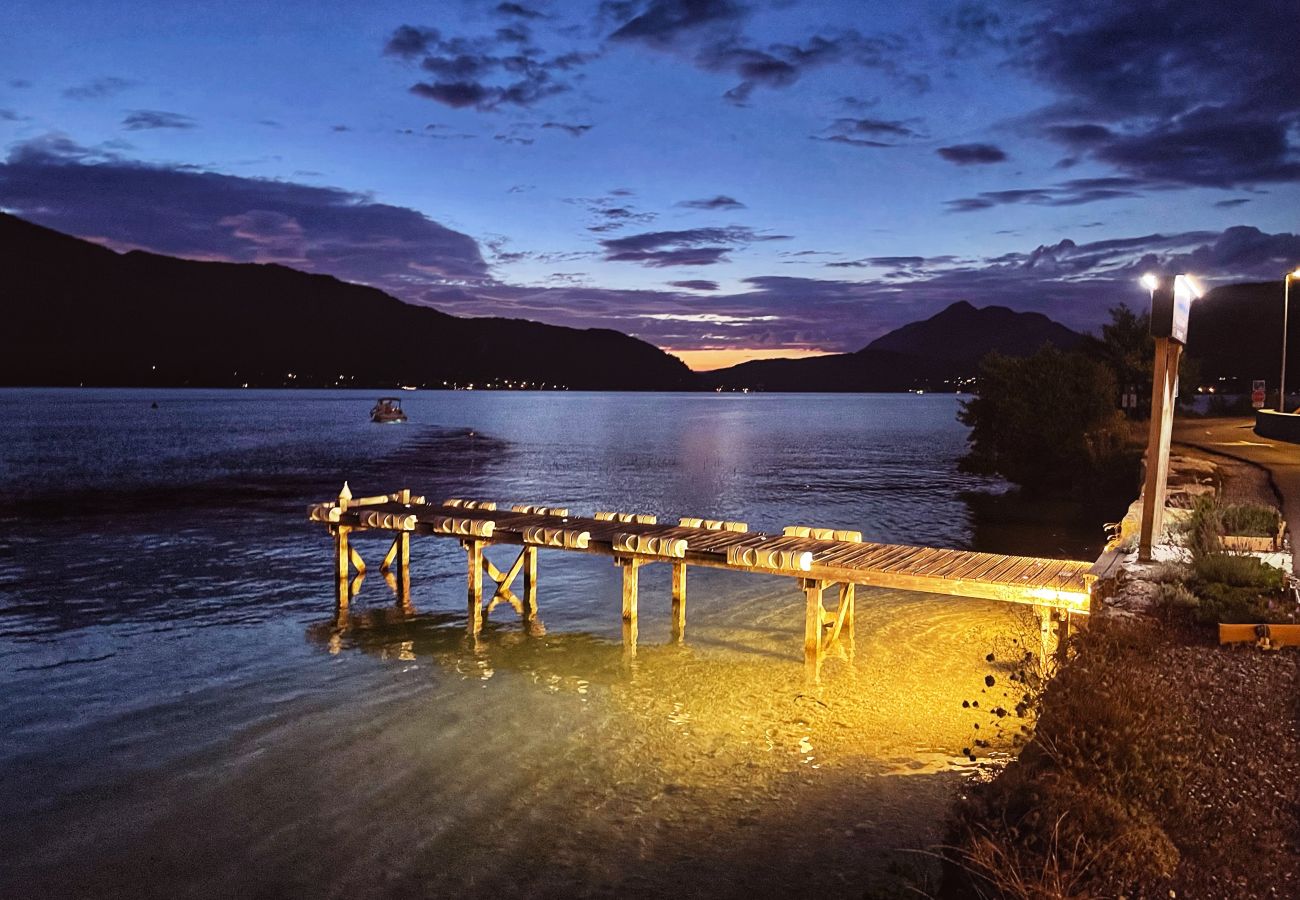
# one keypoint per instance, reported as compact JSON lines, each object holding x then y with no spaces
{"x":812,"y":631}
{"x":1164,"y":387}
{"x":846,"y":602}
{"x":342,"y":564}
{"x":1064,"y":623}
{"x":474,"y":552}
{"x":1046,"y":627}
{"x":404,"y":551}
{"x":679,"y":601}
{"x":629,"y":565}
{"x":530,"y":582}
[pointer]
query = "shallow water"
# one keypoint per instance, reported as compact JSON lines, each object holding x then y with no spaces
{"x":183,"y":715}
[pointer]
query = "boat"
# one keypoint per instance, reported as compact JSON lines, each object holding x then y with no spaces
{"x":388,"y":409}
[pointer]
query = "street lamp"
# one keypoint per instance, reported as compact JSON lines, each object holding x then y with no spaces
{"x":1286,"y":304}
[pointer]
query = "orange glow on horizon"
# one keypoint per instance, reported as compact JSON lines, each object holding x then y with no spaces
{"x":708,"y":360}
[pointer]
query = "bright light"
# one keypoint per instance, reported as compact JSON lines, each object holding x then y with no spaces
{"x":1195,"y":286}
{"x":1295,"y":274}
{"x":1150,"y":281}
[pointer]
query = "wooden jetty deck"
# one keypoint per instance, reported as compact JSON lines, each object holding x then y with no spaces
{"x":819,"y":558}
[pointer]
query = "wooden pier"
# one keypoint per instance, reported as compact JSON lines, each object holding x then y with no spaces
{"x":819,"y":558}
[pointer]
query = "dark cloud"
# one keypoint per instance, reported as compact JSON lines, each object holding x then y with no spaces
{"x":188,"y":212}
{"x":341,"y":128}
{"x":1196,"y":94}
{"x":574,"y":130}
{"x":1074,"y":192}
{"x":611,"y":212}
{"x":690,"y":247}
{"x":19,"y":83}
{"x":721,"y":201}
{"x":695,"y":284}
{"x":99,"y":88}
{"x":517,"y":9}
{"x":1233,"y":203}
{"x":662,"y":22}
{"x":8,"y":115}
{"x":484,"y":73}
{"x":148,"y":119}
{"x":867,"y":132}
{"x":972,"y":154}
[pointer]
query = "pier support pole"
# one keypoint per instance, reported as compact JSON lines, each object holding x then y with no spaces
{"x":530,"y":583}
{"x":630,"y":566}
{"x":812,"y":631}
{"x":474,"y":552}
{"x":847,"y":597}
{"x":342,"y":565}
{"x":679,"y":602}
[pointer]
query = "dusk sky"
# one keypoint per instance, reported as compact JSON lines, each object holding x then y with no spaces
{"x":727,"y":180}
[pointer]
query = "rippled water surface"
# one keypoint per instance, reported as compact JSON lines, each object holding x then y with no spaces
{"x":184,"y":716}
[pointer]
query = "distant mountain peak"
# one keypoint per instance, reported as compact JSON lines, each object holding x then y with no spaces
{"x":964,"y":334}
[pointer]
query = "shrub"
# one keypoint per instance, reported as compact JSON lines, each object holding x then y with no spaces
{"x":1096,"y":802}
{"x":1251,"y":519}
{"x":1048,"y":422}
{"x":1238,"y":571}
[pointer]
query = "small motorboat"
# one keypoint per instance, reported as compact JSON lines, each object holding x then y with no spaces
{"x":388,"y":409}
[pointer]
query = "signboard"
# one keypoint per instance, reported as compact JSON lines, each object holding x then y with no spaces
{"x":1171,"y":306}
{"x":1257,"y":393}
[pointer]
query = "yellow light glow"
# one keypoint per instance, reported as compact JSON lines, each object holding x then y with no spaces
{"x":706,"y":360}
{"x":1295,"y":274}
{"x":1150,"y":281}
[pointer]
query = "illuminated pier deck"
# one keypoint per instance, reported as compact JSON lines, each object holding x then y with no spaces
{"x":818,"y":558}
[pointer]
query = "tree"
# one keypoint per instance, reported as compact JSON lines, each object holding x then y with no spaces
{"x":1049,"y":423}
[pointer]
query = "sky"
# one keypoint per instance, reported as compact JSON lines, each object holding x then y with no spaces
{"x":728,"y":180}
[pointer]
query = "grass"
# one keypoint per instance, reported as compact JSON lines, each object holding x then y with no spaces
{"x":1091,"y":806}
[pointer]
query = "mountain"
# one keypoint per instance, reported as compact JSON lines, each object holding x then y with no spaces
{"x":79,"y":313}
{"x":944,"y":347}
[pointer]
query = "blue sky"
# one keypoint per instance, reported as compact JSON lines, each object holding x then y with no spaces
{"x":725,"y":179}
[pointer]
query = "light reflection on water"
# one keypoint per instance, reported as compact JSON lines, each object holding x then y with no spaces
{"x":183,"y":716}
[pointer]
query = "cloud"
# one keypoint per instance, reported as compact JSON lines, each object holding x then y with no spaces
{"x":1074,"y":192}
{"x":483,"y":73}
{"x":972,"y":154}
{"x":689,"y":247}
{"x":662,"y":22}
{"x":1201,"y":94}
{"x":721,"y":201}
{"x":99,"y":88}
{"x":8,"y":115}
{"x":695,"y":284}
{"x":149,"y":119}
{"x":517,"y":9}
{"x":1233,"y":203}
{"x":189,"y":212}
{"x":19,"y":83}
{"x":574,"y":130}
{"x":867,"y":132}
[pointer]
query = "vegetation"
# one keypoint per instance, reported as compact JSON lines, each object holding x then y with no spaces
{"x":1096,"y":801}
{"x":1049,"y":423}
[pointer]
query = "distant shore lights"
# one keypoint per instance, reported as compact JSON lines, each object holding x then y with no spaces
{"x":1286,"y":306}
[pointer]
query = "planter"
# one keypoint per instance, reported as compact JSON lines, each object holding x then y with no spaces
{"x":1277,"y":635}
{"x":1247,"y":543}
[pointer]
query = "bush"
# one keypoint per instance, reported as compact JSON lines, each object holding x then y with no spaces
{"x":1238,"y":571}
{"x":1048,"y":422}
{"x":1096,"y":802}
{"x":1251,"y":519}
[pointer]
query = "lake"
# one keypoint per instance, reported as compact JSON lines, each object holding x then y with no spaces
{"x":182,"y":715}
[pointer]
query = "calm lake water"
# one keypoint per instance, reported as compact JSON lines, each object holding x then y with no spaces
{"x":182,"y":716}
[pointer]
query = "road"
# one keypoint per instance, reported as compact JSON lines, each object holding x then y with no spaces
{"x":1236,"y":438}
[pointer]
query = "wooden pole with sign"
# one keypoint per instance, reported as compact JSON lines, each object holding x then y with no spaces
{"x":1164,"y":388}
{"x":1171,"y":303}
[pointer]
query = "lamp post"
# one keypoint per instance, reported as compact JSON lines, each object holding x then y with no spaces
{"x":1171,"y":306}
{"x":1286,"y":306}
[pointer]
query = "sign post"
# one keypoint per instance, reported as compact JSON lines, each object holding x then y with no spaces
{"x":1171,"y":304}
{"x":1257,"y":393}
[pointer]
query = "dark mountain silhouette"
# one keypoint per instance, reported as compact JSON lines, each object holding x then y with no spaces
{"x":943,"y":348}
{"x":78,"y":313}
